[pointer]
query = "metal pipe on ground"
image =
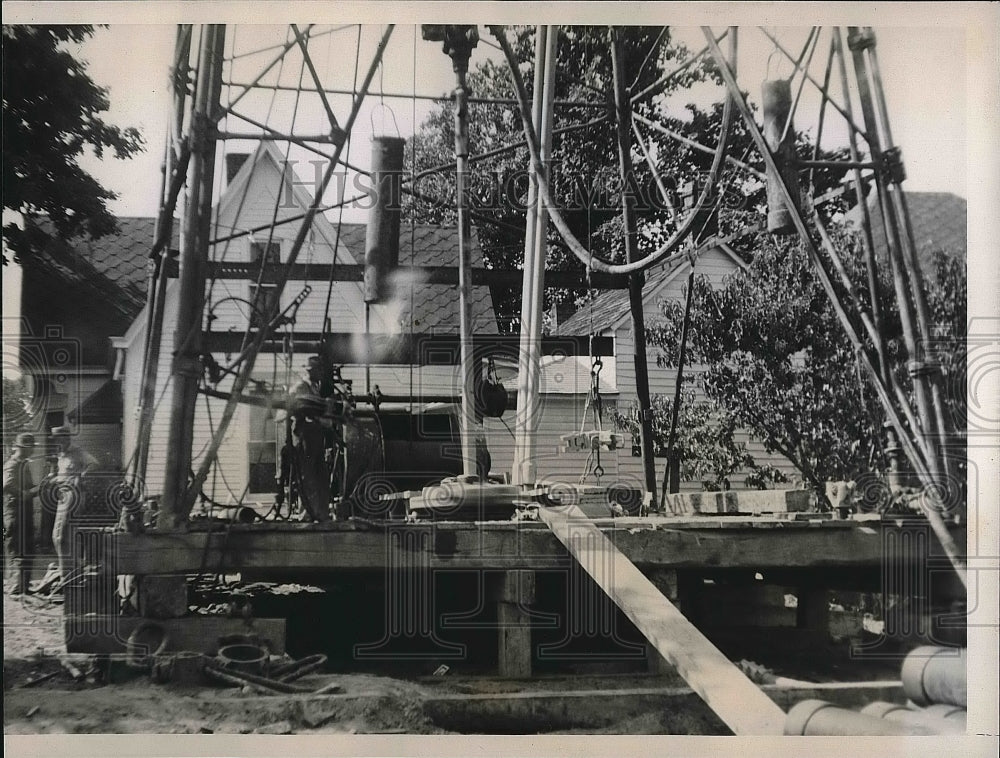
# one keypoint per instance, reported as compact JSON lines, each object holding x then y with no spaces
{"x":935,"y":675}
{"x":919,"y":718}
{"x":814,"y":718}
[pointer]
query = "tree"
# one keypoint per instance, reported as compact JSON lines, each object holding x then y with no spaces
{"x":779,"y":364}
{"x":706,"y":443}
{"x":51,"y":116}
{"x":585,"y":161}
{"x":585,"y":179}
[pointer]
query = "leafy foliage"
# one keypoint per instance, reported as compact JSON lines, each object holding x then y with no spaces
{"x":51,"y":116}
{"x":706,"y":443}
{"x":779,"y":364}
{"x":584,"y":169}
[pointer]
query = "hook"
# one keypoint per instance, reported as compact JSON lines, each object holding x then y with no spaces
{"x":774,"y":52}
{"x":392,"y":114}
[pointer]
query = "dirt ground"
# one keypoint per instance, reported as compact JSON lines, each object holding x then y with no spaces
{"x":133,"y":704}
{"x":32,"y":636}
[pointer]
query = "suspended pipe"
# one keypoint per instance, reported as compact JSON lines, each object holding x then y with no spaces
{"x":850,"y":122}
{"x":382,"y":230}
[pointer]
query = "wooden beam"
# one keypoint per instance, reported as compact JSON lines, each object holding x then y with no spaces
{"x":735,"y":699}
{"x":354,"y":272}
{"x":403,"y":349}
{"x":699,"y":543}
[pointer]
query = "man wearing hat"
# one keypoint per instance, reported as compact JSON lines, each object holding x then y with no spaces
{"x":309,"y":448}
{"x":19,"y":491}
{"x":72,"y":462}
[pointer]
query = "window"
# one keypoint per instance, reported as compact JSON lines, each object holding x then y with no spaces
{"x":273,"y":252}
{"x":262,"y":253}
{"x":262,"y":449}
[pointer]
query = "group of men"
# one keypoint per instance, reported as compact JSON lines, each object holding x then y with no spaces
{"x":60,"y":493}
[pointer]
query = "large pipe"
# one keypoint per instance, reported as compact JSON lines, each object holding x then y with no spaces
{"x":776,"y":99}
{"x":929,"y":722}
{"x":936,"y":675}
{"x":382,"y":233}
{"x":814,"y":718}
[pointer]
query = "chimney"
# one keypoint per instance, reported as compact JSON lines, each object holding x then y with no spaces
{"x":234,"y":161}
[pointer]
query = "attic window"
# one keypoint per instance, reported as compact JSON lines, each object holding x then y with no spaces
{"x":257,"y":252}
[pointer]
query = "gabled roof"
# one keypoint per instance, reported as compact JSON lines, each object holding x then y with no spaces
{"x":435,"y":306}
{"x":92,"y":289}
{"x":608,"y":310}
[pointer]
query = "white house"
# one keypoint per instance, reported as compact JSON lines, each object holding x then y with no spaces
{"x":609,"y":315}
{"x":246,"y":460}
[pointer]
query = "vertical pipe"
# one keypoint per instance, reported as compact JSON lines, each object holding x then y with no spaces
{"x":528,"y":382}
{"x":920,"y":370}
{"x":467,"y":355}
{"x":874,"y":292}
{"x":636,"y":280}
{"x":186,"y":368}
{"x":858,"y":42}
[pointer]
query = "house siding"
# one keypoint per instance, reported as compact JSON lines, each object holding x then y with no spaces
{"x":716,"y":265}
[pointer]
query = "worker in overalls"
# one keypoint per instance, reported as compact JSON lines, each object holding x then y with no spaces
{"x":72,"y":463}
{"x":19,"y":492}
{"x":309,"y":430}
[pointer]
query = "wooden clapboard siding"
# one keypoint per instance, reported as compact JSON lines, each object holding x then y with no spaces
{"x":249,"y":202}
{"x":666,"y":283}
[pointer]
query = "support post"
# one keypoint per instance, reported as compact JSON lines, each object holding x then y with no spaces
{"x":636,"y":280}
{"x":516,"y":590}
{"x":176,"y":160}
{"x":533,"y":284}
{"x":186,"y":367}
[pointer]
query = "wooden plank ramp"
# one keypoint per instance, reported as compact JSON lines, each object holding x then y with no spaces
{"x":723,"y":686}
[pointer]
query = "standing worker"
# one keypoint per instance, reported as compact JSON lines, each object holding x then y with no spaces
{"x":19,"y":491}
{"x":309,"y":449}
{"x":72,"y":463}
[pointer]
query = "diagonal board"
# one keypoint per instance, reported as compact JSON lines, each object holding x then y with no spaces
{"x":735,"y":699}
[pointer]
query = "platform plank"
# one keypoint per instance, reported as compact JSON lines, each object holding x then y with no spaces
{"x":715,"y":542}
{"x":716,"y":680}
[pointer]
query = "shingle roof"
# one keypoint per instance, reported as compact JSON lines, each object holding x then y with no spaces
{"x":90,"y":289}
{"x":939,"y":222}
{"x":111,"y":269}
{"x":610,"y":306}
{"x":435,"y":305}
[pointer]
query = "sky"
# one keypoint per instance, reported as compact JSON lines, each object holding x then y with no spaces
{"x":931,"y":58}
{"x":923,"y":69}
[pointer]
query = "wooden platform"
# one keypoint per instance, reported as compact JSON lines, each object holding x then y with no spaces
{"x":700,"y":542}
